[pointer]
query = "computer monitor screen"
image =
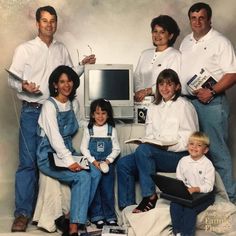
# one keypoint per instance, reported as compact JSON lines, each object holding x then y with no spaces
{"x":113,"y":82}
{"x":109,"y":84}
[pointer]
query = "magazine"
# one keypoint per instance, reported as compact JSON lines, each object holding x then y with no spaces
{"x":13,"y":75}
{"x":157,"y":142}
{"x":203,"y":79}
{"x":81,"y":160}
{"x":114,"y":231}
{"x":16,"y":77}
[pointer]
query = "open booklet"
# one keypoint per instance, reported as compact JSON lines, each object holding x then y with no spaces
{"x":16,"y":77}
{"x":203,"y":79}
{"x":81,"y":160}
{"x":114,"y":231}
{"x":152,"y":141}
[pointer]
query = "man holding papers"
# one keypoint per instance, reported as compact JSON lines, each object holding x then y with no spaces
{"x":33,"y":62}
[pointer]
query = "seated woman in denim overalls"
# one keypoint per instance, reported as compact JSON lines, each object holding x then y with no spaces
{"x":58,"y":124}
{"x":100,"y":145}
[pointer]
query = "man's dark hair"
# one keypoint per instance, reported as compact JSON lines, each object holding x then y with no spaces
{"x":199,"y":6}
{"x":168,"y":24}
{"x":48,"y":9}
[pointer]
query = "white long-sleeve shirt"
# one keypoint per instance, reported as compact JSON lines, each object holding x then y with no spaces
{"x":34,"y":61}
{"x":172,"y":120}
{"x":49,"y":127}
{"x":151,"y":63}
{"x":200,"y":173}
{"x":100,"y":131}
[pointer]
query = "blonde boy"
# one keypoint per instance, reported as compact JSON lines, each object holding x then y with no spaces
{"x":198,"y":174}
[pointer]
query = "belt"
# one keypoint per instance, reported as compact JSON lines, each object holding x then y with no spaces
{"x":32,"y":104}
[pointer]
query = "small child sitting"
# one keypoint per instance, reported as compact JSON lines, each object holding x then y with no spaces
{"x":198,"y":174}
{"x":100,"y":145}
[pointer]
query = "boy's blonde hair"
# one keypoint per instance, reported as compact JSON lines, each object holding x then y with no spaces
{"x":201,"y":137}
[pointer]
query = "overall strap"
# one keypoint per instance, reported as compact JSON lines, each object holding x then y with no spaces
{"x":54,"y":103}
{"x":109,"y":131}
{"x":91,"y":133}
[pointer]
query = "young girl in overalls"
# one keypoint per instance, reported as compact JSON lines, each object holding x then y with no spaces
{"x":100,"y":145}
{"x":58,"y":124}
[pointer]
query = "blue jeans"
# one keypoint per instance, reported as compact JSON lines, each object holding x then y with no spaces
{"x":127,"y":174}
{"x":26,"y":178}
{"x":79,"y":183}
{"x":96,"y":176}
{"x":103,"y":204}
{"x":213,"y":119}
{"x":146,"y":160}
{"x":184,"y":218}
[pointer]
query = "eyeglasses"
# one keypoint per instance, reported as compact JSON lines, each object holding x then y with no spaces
{"x":90,"y":51}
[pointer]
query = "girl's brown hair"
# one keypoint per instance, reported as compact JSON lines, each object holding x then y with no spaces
{"x":167,"y":75}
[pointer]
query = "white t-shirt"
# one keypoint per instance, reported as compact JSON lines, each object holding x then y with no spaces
{"x":172,"y":120}
{"x":200,"y":173}
{"x":213,"y":52}
{"x":100,"y":131}
{"x":151,"y":63}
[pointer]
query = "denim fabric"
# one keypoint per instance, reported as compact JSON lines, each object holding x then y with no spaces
{"x":96,"y":176}
{"x":79,"y":182}
{"x":26,"y":178}
{"x":127,"y":174}
{"x":103,"y":204}
{"x":149,"y":160}
{"x":146,"y":160}
{"x":184,"y":218}
{"x":213,"y":119}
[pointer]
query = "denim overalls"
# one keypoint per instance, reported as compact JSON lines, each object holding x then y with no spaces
{"x":103,"y":204}
{"x":79,"y":182}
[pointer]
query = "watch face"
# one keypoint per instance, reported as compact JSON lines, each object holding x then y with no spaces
{"x":213,"y":92}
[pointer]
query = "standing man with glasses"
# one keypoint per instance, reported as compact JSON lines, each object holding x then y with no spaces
{"x":207,"y":48}
{"x":33,"y":61}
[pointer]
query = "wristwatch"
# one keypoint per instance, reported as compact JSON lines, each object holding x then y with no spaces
{"x":213,"y":92}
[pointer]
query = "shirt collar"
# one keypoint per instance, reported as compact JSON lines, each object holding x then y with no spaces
{"x":198,"y":161}
{"x":40,"y":41}
{"x":168,"y":103}
{"x":204,"y":38}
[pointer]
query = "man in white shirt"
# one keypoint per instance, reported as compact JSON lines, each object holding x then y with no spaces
{"x":33,"y":61}
{"x":207,"y":48}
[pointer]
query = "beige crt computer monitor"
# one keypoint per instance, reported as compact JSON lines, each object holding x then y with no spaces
{"x":113,"y":82}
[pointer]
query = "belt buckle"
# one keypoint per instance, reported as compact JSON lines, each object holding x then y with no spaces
{"x":32,"y":104}
{"x":38,"y":105}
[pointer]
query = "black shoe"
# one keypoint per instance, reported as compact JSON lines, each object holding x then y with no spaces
{"x":74,"y":234}
{"x":99,"y":224}
{"x":67,"y":234}
{"x":82,"y":228}
{"x":112,"y":223}
{"x":62,"y":224}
